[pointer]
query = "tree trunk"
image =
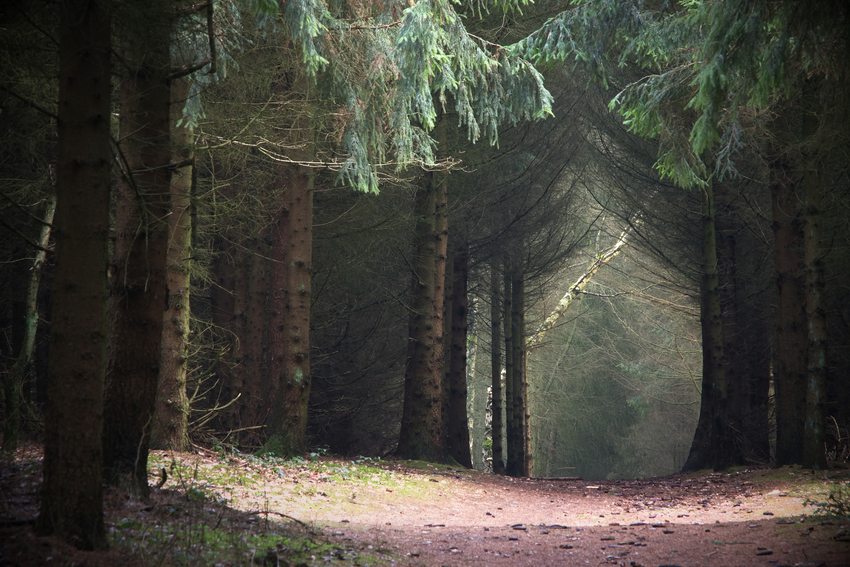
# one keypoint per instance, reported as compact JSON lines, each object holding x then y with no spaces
{"x":496,"y":371}
{"x":790,"y":366}
{"x":522,"y":462}
{"x":288,"y":425}
{"x":227,"y":298}
{"x":734,"y":345}
{"x":421,"y":425}
{"x":171,"y":424}
{"x":251,"y":373}
{"x":72,"y":489}
{"x":138,"y":282}
{"x":278,"y":237}
{"x":421,"y":435}
{"x":458,"y":424}
{"x":510,"y":419}
{"x":814,"y":439}
{"x":14,"y":380}
{"x":707,"y":449}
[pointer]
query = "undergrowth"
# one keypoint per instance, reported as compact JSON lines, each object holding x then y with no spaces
{"x":836,"y":505}
{"x":197,"y":519}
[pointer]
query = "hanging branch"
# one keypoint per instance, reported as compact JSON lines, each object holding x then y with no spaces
{"x":575,"y":289}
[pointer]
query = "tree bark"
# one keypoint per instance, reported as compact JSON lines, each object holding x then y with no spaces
{"x":288,"y":425}
{"x":496,"y":371}
{"x":421,"y":425}
{"x":72,"y":489}
{"x":14,"y":379}
{"x":734,"y":345}
{"x":511,"y":450}
{"x":791,"y":345}
{"x":707,"y":449}
{"x":171,"y":424}
{"x":421,"y":435}
{"x":814,"y":439}
{"x":138,"y":283}
{"x":458,"y":423}
{"x":251,"y":373}
{"x":519,"y":402}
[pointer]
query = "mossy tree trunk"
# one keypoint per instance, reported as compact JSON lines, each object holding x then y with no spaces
{"x":171,"y":424}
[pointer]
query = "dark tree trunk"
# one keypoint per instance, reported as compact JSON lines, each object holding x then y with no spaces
{"x":251,"y":373}
{"x":223,"y":300}
{"x":138,"y":283}
{"x":72,"y":490}
{"x":727,"y":291}
{"x":709,"y":448}
{"x":790,"y":366}
{"x":458,"y":422}
{"x":421,"y":425}
{"x":277,"y":286}
{"x":512,"y":440}
{"x":171,"y":424}
{"x":288,"y":425}
{"x":519,"y":402}
{"x":496,"y":371}
{"x":421,"y":435}
{"x":814,"y":439}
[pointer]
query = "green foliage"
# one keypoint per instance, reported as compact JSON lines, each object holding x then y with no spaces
{"x":716,"y":61}
{"x":836,"y":505}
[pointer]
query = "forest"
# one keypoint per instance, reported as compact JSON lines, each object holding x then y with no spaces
{"x":604,"y":239}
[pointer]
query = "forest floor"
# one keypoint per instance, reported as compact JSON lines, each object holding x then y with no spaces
{"x":224,"y":509}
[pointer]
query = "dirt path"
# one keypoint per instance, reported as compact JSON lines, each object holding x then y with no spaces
{"x":403,"y":513}
{"x":462,"y":518}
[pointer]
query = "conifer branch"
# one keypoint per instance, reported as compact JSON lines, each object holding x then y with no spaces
{"x":30,"y":103}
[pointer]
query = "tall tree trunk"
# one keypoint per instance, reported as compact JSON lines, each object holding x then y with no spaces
{"x":496,"y":371}
{"x":251,"y":373}
{"x":458,"y":423}
{"x":288,"y":424}
{"x":791,"y":345}
{"x":707,"y":449}
{"x":138,"y":283}
{"x":511,"y":451}
{"x":223,"y":300}
{"x":421,"y":425}
{"x":72,"y":489}
{"x":519,"y":402}
{"x":171,"y":423}
{"x":14,"y":379}
{"x":278,"y":237}
{"x":814,"y":439}
{"x":421,"y":435}
{"x":734,"y":363}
